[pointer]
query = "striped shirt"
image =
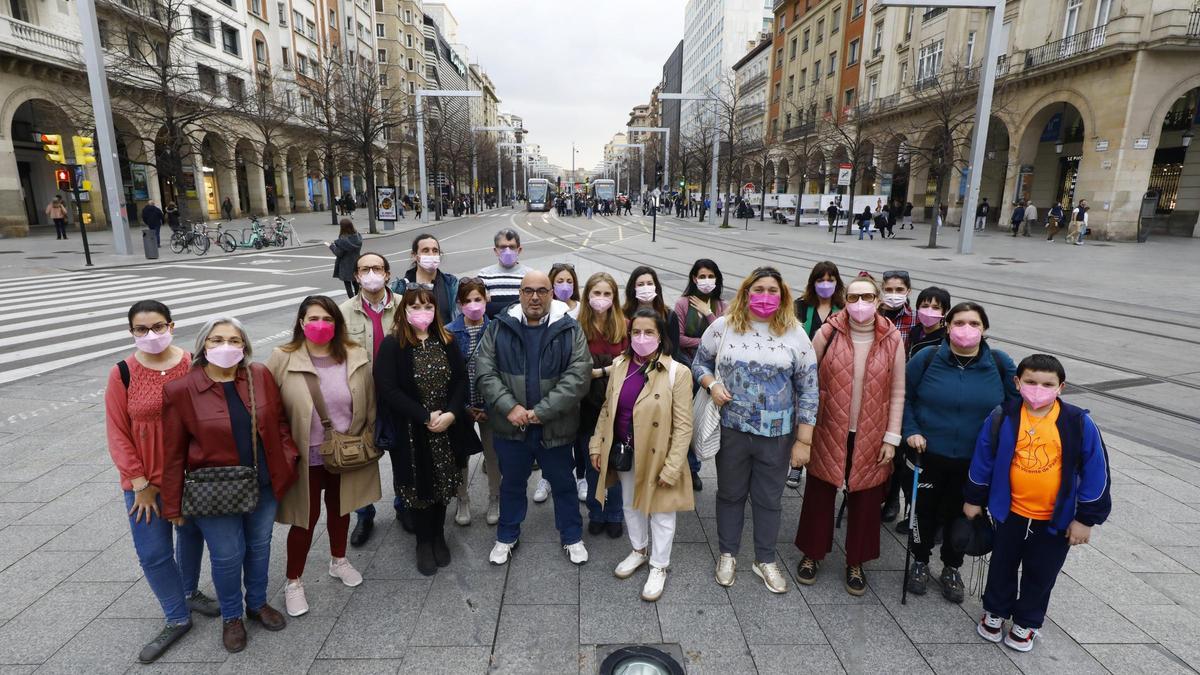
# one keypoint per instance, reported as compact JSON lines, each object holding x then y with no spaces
{"x":503,"y":286}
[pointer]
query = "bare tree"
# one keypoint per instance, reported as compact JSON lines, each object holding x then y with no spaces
{"x":268,"y":110}
{"x":369,"y":112}
{"x":798,"y":141}
{"x":847,"y":130}
{"x":321,"y":105}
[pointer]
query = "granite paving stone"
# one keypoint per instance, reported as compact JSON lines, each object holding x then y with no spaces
{"x":1174,"y":627}
{"x":1055,"y":652}
{"x":868,"y":640}
{"x":769,"y":619}
{"x":541,"y":574}
{"x":36,"y":633}
{"x":31,"y":577}
{"x":1138,"y":659}
{"x":376,"y":624}
{"x":462,"y":608}
{"x":18,"y":540}
{"x":710,"y":636}
{"x":951,"y":659}
{"x":445,"y":661}
{"x":266,"y":649}
{"x":784,"y":659}
{"x":925,"y":619}
{"x":537,"y":638}
{"x":1087,"y":619}
{"x":355,"y":666}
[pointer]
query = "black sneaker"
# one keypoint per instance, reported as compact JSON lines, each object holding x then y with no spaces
{"x":856,"y":580}
{"x":902,"y":525}
{"x":165,"y":638}
{"x":697,"y":484}
{"x":918,"y":578}
{"x":794,"y":477}
{"x":595,"y":527}
{"x":891,"y":509}
{"x":202,"y":604}
{"x":952,"y":584}
{"x":614,"y":530}
{"x":806,"y":571}
{"x":362,"y":531}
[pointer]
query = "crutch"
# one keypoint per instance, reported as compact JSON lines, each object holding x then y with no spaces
{"x":914,"y":534}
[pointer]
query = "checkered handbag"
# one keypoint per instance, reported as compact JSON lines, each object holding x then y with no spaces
{"x":224,"y":490}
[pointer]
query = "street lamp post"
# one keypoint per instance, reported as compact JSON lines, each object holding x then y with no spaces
{"x":421,"y":93}
{"x":499,"y":147}
{"x":712,"y":189}
{"x":666,"y":148}
{"x":475,"y":161}
{"x":983,"y":104}
{"x":642,"y":153}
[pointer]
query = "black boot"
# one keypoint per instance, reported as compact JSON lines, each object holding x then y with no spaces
{"x":437,"y":532}
{"x":426,"y":563}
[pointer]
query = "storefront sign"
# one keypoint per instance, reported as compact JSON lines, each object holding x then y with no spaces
{"x":1101,"y":146}
{"x":1141,"y":143}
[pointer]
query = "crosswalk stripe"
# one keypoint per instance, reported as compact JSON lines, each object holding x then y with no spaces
{"x":74,"y":288}
{"x":25,"y":285}
{"x":128,"y":297}
{"x":24,"y":281}
{"x":9,"y":327}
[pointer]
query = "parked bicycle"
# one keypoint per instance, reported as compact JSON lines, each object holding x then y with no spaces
{"x":190,"y":237}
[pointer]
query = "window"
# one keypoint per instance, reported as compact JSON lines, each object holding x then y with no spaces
{"x":932,"y":13}
{"x":230,"y":40}
{"x":820,"y":30}
{"x":872,"y":88}
{"x":260,"y":51}
{"x":306,"y":105}
{"x":1071,"y":21}
{"x":202,"y":27}
{"x":379,"y":6}
{"x":792,"y":50}
{"x":791,"y":85}
{"x":281,"y":8}
{"x":302,"y":64}
{"x":383,"y":80}
{"x":410,"y":64}
{"x":836,"y":23}
{"x":103,"y":26}
{"x":207,"y":79}
{"x":828,"y":105}
{"x":382,"y":54}
{"x":858,"y":8}
{"x":852,"y":56}
{"x":298,"y":21}
{"x":832,"y":63}
{"x":776,"y":97}
{"x":349,"y":22}
{"x":803,"y":78}
{"x":310,"y":29}
{"x":379,"y":32}
{"x":908,"y":23}
{"x":877,"y":39}
{"x":1102,"y":9}
{"x":904,"y":72}
{"x":805,"y":41}
{"x":407,"y":16}
{"x":929,"y":61}
{"x":408,"y":41}
{"x":817,"y":71}
{"x":848,"y":98}
{"x":256,"y":7}
{"x":412,"y":87}
{"x":235,"y":87}
{"x":779,"y":58}
{"x":970,"y":49}
{"x":286,"y":58}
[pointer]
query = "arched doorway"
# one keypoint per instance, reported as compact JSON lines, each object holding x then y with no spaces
{"x":783,"y":175}
{"x":894,"y":169}
{"x":816,"y":174}
{"x":1178,"y":199}
{"x":35,"y":174}
{"x":1050,"y":153}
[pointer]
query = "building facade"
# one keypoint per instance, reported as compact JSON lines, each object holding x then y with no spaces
{"x":399,"y":30}
{"x":672,"y":82}
{"x":715,"y":36}
{"x":750,"y":78}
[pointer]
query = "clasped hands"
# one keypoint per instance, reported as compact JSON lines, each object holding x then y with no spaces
{"x":520,"y":417}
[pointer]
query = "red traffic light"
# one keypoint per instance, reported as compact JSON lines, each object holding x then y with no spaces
{"x":62,"y":176}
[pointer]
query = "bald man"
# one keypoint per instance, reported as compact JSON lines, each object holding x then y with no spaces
{"x":533,"y":368}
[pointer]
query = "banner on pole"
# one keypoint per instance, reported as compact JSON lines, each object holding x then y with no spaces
{"x":386,"y":202}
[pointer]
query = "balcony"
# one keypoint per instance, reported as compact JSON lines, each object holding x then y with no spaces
{"x":1068,"y":47}
{"x":753,"y":82}
{"x":799,"y":131}
{"x":27,"y":40}
{"x":750,"y":111}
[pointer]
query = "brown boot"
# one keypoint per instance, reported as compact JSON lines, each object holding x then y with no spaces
{"x":233,"y":636}
{"x":269,"y":617}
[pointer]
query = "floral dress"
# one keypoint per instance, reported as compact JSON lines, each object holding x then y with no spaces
{"x":431,"y":370}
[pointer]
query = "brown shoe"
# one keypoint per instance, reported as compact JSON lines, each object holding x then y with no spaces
{"x":233,"y":636}
{"x":269,"y":617}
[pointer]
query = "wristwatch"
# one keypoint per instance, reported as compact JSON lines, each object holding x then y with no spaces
{"x":711,"y":385}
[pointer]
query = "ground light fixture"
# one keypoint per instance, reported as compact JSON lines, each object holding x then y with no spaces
{"x":640,"y":660}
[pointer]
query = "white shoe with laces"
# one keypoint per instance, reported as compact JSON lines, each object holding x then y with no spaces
{"x":726,"y":569}
{"x":542,"y":492}
{"x":581,"y":488}
{"x":772,"y":576}
{"x":630,"y":564}
{"x":340,"y":568}
{"x":1020,"y":638}
{"x":655,"y":583}
{"x":501,"y":553}
{"x":577,"y":552}
{"x":293,"y":599}
{"x":991,"y":627}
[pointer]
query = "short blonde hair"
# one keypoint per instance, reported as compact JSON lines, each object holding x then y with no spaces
{"x":198,"y":355}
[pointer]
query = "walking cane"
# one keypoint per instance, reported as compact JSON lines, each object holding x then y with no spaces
{"x":914,"y":534}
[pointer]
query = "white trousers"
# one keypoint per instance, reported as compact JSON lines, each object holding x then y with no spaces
{"x":656,"y":530}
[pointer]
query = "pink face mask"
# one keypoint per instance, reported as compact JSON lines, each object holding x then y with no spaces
{"x":965,"y":337}
{"x":763,"y":305}
{"x":224,"y":356}
{"x":420,"y":318}
{"x":644,"y":345}
{"x":861,"y":311}
{"x":600,"y":303}
{"x":153,"y":343}
{"x":474,"y":310}
{"x":929,"y":317}
{"x":1038,"y":397}
{"x":319,"y":332}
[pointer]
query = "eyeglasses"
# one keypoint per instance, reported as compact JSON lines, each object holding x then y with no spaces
{"x":217,"y":340}
{"x":530,"y":292}
{"x":417,"y":286}
{"x":855,"y":297}
{"x":158,"y":328}
{"x":378,"y":269}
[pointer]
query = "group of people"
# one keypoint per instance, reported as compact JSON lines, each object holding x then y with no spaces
{"x":592,"y":382}
{"x":1024,"y":217}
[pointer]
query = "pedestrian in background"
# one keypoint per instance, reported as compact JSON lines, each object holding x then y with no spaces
{"x":759,"y":367}
{"x":864,"y":223}
{"x":152,"y":217}
{"x":227,"y":208}
{"x":1054,"y":220}
{"x":1018,"y":217}
{"x":857,"y":431}
{"x":172,"y":216}
{"x":133,"y":410}
{"x":831,"y":214}
{"x":226,"y":412}
{"x":908,"y":209}
{"x":981,"y":214}
{"x":57,"y":211}
{"x":326,"y":384}
{"x":1030,"y":218}
{"x":346,"y":249}
{"x":1079,"y":224}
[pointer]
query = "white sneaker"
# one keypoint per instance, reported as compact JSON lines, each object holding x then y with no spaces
{"x":493,"y":512}
{"x":1020,"y":638}
{"x":630,"y":564}
{"x":581,"y":488}
{"x":501,"y":553}
{"x":726,"y":569}
{"x":991,"y":627}
{"x":655,"y":583}
{"x":771,"y":575}
{"x":462,"y":515}
{"x":542,"y":492}
{"x":577,"y":552}
{"x":340,"y":568}
{"x":293,"y":599}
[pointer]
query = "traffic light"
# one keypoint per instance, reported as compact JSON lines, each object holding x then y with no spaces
{"x":680,"y":183}
{"x":658,"y":173}
{"x":85,"y":150}
{"x":53,"y":147}
{"x":62,"y":176}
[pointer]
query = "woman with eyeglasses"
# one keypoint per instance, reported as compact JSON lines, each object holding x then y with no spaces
{"x":133,"y":407}
{"x":324,"y":378}
{"x":644,"y":290}
{"x":421,"y":385}
{"x":646,"y":419}
{"x":227,"y":412}
{"x":607,"y":337}
{"x":566,"y":287}
{"x":425,"y":271}
{"x":760,"y":369}
{"x":468,"y":330}
{"x":857,"y":431}
{"x":696,"y":309}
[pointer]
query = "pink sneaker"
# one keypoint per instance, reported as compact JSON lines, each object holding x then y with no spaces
{"x":293,"y":599}
{"x":340,"y":568}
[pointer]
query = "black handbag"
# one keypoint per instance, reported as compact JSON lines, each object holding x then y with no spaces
{"x":620,"y":457}
{"x":224,"y":490}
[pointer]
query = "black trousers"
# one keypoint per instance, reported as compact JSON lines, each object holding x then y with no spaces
{"x":351,"y":289}
{"x":939,"y":502}
{"x":60,"y":227}
{"x":1027,"y":545}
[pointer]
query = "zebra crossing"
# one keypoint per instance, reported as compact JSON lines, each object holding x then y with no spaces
{"x":57,"y":321}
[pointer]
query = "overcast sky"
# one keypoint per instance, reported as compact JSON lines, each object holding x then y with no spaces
{"x":572,"y":70}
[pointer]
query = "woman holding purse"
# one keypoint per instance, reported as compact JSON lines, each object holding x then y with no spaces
{"x":421,"y":384}
{"x":323,"y":375}
{"x":641,"y":441}
{"x":228,"y":458}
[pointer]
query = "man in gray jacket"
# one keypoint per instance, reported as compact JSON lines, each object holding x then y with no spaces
{"x":533,"y":368}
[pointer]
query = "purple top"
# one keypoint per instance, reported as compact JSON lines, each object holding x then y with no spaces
{"x":335,"y":390}
{"x":635,"y":379}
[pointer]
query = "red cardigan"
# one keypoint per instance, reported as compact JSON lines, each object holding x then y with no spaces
{"x":198,"y":433}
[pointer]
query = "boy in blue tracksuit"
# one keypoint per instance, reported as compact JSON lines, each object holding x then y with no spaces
{"x":1043,"y":476}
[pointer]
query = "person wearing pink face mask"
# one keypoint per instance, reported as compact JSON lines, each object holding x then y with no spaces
{"x":323,"y":375}
{"x":949,"y":391}
{"x":421,"y":385}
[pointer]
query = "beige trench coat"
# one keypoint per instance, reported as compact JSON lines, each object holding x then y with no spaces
{"x":358,"y":488}
{"x":662,"y":432}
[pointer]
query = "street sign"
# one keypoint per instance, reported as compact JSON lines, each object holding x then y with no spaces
{"x":844,"y":175}
{"x":748,"y":187}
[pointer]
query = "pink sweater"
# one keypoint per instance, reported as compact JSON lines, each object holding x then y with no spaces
{"x":335,"y":391}
{"x":864,"y":337}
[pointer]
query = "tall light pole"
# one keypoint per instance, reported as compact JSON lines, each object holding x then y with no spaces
{"x":499,"y":147}
{"x":422,"y":93}
{"x":666,"y":148}
{"x":712,"y":189}
{"x":642,"y":148}
{"x":475,"y":157}
{"x":983,"y":103}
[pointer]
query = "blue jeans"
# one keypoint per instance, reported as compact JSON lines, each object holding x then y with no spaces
{"x":612,"y":511}
{"x":693,"y":461}
{"x":172,"y":574}
{"x":516,"y":464}
{"x":239,"y":547}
